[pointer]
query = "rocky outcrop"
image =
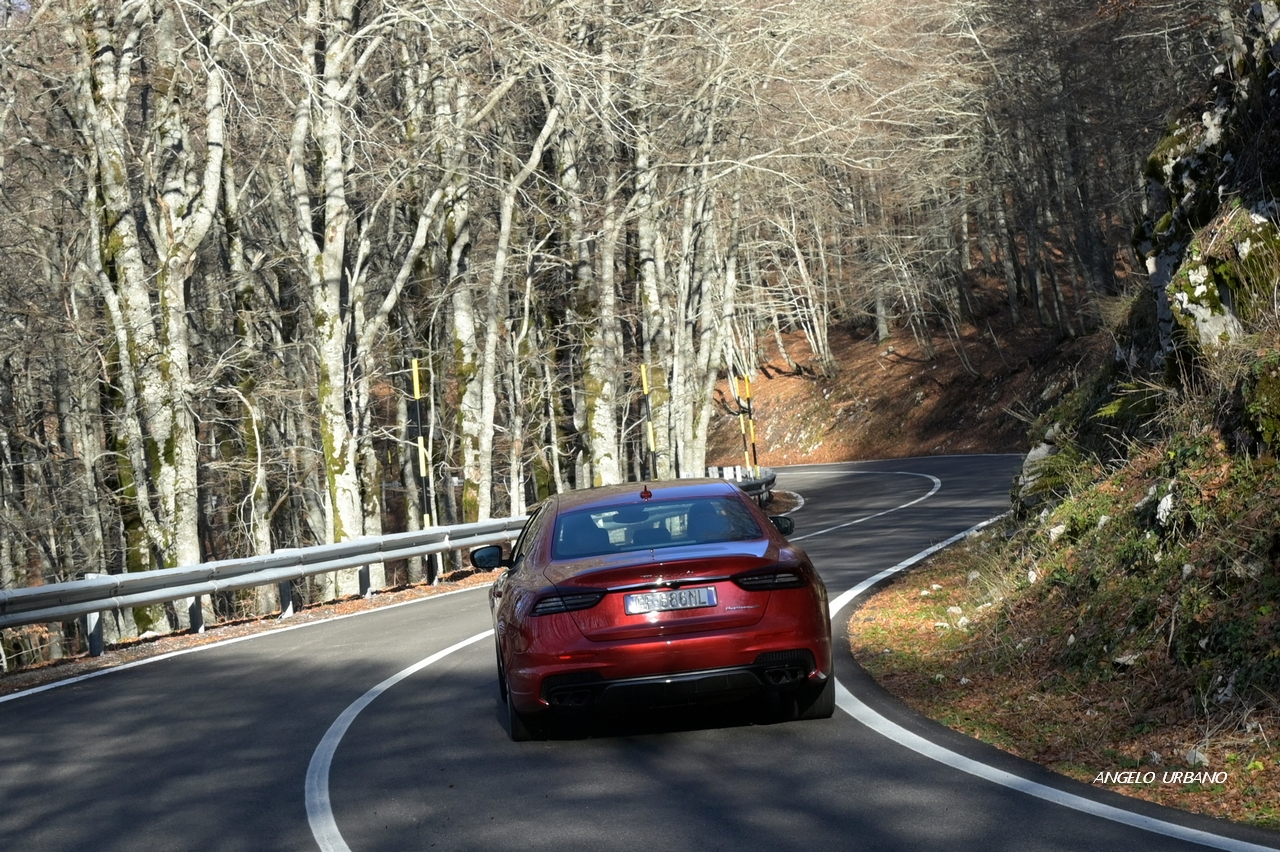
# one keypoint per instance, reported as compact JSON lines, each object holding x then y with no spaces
{"x":1210,"y":238}
{"x":1027,"y":493}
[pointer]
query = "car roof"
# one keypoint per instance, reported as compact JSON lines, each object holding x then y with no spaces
{"x":630,"y":492}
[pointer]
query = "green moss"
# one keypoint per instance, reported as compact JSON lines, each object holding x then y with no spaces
{"x":543,"y":480}
{"x":465,"y":369}
{"x":113,"y":245}
{"x":1171,"y":148}
{"x":1262,"y":398}
{"x":151,"y":452}
{"x":150,"y":618}
{"x":1231,"y":267}
{"x":138,"y":558}
{"x":470,"y":502}
{"x":332,"y":453}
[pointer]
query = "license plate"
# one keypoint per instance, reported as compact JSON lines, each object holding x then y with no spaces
{"x":666,"y":601}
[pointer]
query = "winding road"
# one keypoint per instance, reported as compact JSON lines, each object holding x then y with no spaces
{"x":383,"y":731}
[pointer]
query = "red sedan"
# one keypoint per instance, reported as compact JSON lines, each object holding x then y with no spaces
{"x":656,"y":595}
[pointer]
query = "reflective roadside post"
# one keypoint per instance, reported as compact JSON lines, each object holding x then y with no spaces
{"x":648,"y":421}
{"x":754,"y":463}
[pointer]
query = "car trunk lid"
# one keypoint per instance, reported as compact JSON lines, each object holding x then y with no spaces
{"x":670,"y":591}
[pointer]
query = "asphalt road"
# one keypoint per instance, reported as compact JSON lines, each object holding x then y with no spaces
{"x":278,"y":743}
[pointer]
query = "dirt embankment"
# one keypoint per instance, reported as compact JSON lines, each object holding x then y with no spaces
{"x":888,"y":400}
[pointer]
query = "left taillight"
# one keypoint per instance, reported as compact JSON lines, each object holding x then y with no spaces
{"x":566,"y":602}
{"x":777,"y":577}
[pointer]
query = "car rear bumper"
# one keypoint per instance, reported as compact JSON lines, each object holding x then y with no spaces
{"x":567,"y":671}
{"x":777,"y":671}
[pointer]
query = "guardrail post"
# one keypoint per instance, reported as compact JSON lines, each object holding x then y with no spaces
{"x":93,"y":626}
{"x":93,"y":632}
{"x":364,"y":581}
{"x":196,"y":613}
{"x":285,"y":589}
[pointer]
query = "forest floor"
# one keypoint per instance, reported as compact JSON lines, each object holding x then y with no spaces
{"x":1130,"y":732}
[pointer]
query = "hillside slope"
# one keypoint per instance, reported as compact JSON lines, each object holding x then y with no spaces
{"x":1129,"y":616}
{"x":1158,"y":490}
{"x":888,"y":401}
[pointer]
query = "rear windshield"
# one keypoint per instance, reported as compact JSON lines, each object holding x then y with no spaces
{"x":651,"y":526}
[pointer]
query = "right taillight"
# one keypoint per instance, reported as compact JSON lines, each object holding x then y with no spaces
{"x":778,"y":577}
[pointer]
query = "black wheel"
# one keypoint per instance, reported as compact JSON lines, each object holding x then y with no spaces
{"x":502,"y":675}
{"x":518,"y":726}
{"x":819,"y":703}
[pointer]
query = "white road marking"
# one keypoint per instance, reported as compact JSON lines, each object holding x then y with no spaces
{"x":329,"y":838}
{"x":937,"y":484}
{"x":852,"y":705}
{"x":319,"y":809}
{"x":221,"y":642}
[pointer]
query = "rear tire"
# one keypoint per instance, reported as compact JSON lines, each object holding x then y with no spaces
{"x":502,"y":676}
{"x":518,"y":726}
{"x":819,"y":703}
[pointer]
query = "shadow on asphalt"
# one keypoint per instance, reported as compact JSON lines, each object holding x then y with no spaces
{"x":655,"y":721}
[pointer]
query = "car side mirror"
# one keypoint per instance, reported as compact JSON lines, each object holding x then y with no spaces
{"x":786,"y":526}
{"x":488,"y":558}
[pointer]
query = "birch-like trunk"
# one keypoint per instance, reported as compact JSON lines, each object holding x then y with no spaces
{"x":146,"y":304}
{"x":699,"y":283}
{"x":319,"y":136}
{"x":594,"y":278}
{"x":655,"y":312}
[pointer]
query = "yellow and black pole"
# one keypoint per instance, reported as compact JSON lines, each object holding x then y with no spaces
{"x":424,"y":467}
{"x":648,"y":422}
{"x":753,"y":462}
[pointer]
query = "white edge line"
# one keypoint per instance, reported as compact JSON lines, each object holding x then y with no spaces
{"x":937,"y":485}
{"x":319,"y":809}
{"x":13,"y":696}
{"x":904,"y":459}
{"x":324,"y":827}
{"x":221,"y":642}
{"x":852,"y":705}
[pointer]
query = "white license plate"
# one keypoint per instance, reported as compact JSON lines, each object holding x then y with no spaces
{"x":674,"y":599}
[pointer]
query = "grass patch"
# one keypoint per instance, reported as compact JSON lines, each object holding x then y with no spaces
{"x":996,"y":638}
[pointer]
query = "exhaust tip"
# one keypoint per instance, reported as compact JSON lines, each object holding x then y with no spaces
{"x":784,"y":676}
{"x":576,"y":698}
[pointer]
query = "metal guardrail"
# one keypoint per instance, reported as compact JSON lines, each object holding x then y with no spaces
{"x":106,"y":592}
{"x":102,"y":593}
{"x":760,"y":485}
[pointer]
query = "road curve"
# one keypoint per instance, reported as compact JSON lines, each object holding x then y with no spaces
{"x":395,"y":718}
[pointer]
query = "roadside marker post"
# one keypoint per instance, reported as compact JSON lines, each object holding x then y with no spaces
{"x":751,"y":419}
{"x":431,"y":562}
{"x":648,"y":420}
